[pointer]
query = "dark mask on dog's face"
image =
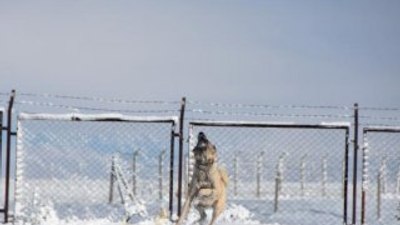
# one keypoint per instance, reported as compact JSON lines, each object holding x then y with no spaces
{"x":204,"y":152}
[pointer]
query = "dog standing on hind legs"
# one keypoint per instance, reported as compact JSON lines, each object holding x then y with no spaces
{"x":208,"y":185}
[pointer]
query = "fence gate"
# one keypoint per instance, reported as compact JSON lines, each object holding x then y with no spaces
{"x":98,"y":168}
{"x":282,"y":173}
{"x":381,"y":176}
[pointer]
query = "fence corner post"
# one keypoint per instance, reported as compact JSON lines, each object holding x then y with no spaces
{"x":180,"y":169}
{"x":8,"y":158}
{"x":355,"y":169}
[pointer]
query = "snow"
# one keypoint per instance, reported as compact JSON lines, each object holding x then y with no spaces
{"x":337,"y":124}
{"x":93,"y":117}
{"x":242,"y":122}
{"x":234,"y":215}
{"x":392,"y":128}
{"x":270,"y":123}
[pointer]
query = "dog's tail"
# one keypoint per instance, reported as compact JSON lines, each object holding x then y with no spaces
{"x":224,"y":176}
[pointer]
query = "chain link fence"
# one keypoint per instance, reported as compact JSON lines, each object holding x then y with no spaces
{"x":283,"y":173}
{"x":89,"y":168}
{"x":381,"y":175}
{"x":103,"y":169}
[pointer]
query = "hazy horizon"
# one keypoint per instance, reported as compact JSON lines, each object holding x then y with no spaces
{"x":265,"y":52}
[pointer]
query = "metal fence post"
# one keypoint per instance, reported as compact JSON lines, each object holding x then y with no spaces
{"x":302,"y":174}
{"x":378,"y":195}
{"x":180,"y":170}
{"x":365,"y":178}
{"x":171,"y":170}
{"x":276,"y":196}
{"x":111,"y":194}
{"x":346,"y":176}
{"x":355,"y":169}
{"x":161,"y":158}
{"x":259,"y":168}
{"x":278,"y":181}
{"x":8,"y":159}
{"x":383,"y":171}
{"x":134,"y":170}
{"x":186,"y":173}
{"x":235,"y":174}
{"x":324,"y":176}
{"x":343,"y":177}
{"x":398,"y":182}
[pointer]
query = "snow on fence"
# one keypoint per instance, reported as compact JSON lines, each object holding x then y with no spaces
{"x":67,"y":160}
{"x":381,"y":174}
{"x":282,"y":168}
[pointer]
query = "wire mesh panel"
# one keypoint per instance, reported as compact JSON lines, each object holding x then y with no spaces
{"x":66,"y":167}
{"x":381,"y":175}
{"x":283,"y":173}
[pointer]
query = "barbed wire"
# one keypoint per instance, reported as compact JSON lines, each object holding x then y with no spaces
{"x":98,"y":99}
{"x":225,"y":113}
{"x":74,"y":108}
{"x":379,"y":118}
{"x":379,"y":109}
{"x":260,"y":106}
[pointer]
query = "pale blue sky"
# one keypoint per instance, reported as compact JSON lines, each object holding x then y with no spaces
{"x":270,"y":52}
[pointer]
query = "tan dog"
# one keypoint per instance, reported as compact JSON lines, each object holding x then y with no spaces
{"x":209,"y":182}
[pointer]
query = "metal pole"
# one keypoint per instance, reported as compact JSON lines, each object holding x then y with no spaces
{"x":384,"y":174}
{"x":276,"y":198}
{"x":278,"y":181}
{"x":355,"y":163}
{"x":8,"y":159}
{"x":171,"y":171}
{"x":259,"y":165}
{"x":303,"y":174}
{"x":111,"y":194}
{"x":185,"y":173}
{"x":235,"y":174}
{"x":324,"y":176}
{"x":398,"y":182}
{"x":378,"y":196}
{"x":180,"y":170}
{"x":160,"y":173}
{"x":346,"y":176}
{"x":134,"y":170}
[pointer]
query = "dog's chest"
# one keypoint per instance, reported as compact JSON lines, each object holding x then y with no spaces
{"x":203,"y":178}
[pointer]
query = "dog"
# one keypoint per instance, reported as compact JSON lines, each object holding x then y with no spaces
{"x":208,"y":186}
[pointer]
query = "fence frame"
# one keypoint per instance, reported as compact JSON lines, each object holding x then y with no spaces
{"x":367,"y":130}
{"x":75,"y":117}
{"x":7,"y":158}
{"x":323,"y":126}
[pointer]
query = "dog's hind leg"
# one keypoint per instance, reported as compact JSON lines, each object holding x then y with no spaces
{"x":202,"y":213}
{"x":215,"y":215}
{"x":218,"y":208}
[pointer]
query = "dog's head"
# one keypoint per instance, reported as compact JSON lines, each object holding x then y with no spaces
{"x":205,"y":152}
